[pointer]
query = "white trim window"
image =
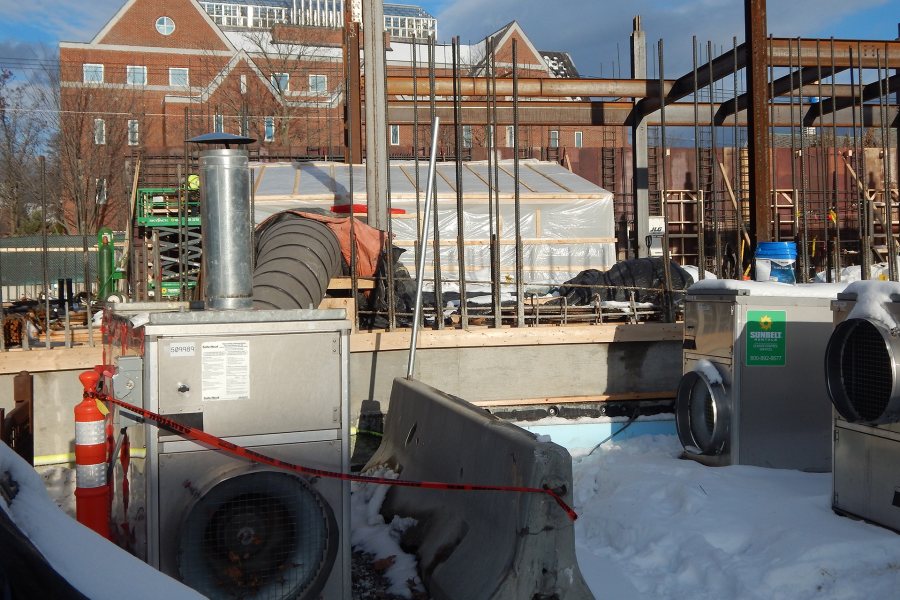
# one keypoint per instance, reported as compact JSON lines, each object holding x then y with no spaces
{"x":281,"y":82}
{"x":395,"y":135}
{"x":100,"y":191}
{"x":579,"y":139}
{"x":467,"y":136}
{"x":179,"y":77}
{"x":269,"y":129}
{"x":165,"y":25}
{"x":134,"y":132}
{"x":554,"y":138}
{"x":99,"y":132}
{"x":219,"y":123}
{"x":318,"y":84}
{"x":92,"y":73}
{"x":136,"y":75}
{"x":510,"y":136}
{"x":243,"y":84}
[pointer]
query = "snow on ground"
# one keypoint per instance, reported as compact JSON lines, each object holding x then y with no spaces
{"x":370,"y":534}
{"x":653,"y":526}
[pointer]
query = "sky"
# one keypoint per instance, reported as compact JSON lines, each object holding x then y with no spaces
{"x":595,"y":32}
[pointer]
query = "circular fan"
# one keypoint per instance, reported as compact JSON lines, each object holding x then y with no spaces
{"x":701,"y":414}
{"x":260,"y":535}
{"x":860,"y":364}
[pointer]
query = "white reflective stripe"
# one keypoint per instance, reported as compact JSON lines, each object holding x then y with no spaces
{"x":90,"y":433}
{"x":90,"y":476}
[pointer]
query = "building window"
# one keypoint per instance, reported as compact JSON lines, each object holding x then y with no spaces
{"x":243,"y":84}
{"x":179,"y":77}
{"x":99,"y":132}
{"x":510,"y":136}
{"x":134,"y":132}
{"x":269,"y":129}
{"x":219,"y":123}
{"x":281,"y":81}
{"x":395,"y":135}
{"x":467,"y":136}
{"x":100,"y":191}
{"x":579,"y":139}
{"x":135,"y":75}
{"x":318,"y":84}
{"x":165,"y":25}
{"x":93,"y":73}
{"x":554,"y":138}
{"x":489,"y":137}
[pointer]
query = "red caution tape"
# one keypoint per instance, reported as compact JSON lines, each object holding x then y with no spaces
{"x":225,"y":446}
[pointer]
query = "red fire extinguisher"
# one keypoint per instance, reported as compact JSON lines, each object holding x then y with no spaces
{"x":92,"y":492}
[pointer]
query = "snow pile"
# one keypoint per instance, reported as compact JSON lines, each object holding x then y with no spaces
{"x":871,"y":296}
{"x":695,"y":272}
{"x":878,"y":271}
{"x":655,"y":526}
{"x":96,"y":567}
{"x":709,"y":370}
{"x":770,"y":288}
{"x":372,"y":535}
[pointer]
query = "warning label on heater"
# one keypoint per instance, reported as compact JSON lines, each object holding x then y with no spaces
{"x":226,"y":370}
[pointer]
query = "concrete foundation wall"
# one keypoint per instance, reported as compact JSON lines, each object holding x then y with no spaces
{"x":479,"y":365}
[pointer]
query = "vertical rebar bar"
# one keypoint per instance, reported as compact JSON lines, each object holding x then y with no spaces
{"x":823,"y":179}
{"x":520,"y":269}
{"x":834,"y":161}
{"x":493,"y":211}
{"x":460,"y":208}
{"x":496,"y":162}
{"x":438,"y":287}
{"x":420,"y":267}
{"x":354,"y":280}
{"x":795,"y":207}
{"x":389,"y":221}
{"x":804,"y":178}
{"x":43,"y":164}
{"x":886,"y":166}
{"x":862,"y":204}
{"x":737,"y":188}
{"x":701,"y":254}
{"x":668,"y":308}
{"x":415,"y":78}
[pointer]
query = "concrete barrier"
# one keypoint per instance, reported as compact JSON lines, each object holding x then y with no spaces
{"x":473,"y":545}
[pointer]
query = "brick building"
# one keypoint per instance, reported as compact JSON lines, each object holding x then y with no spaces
{"x":162,"y":71}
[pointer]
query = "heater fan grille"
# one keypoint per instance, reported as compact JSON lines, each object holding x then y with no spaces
{"x":861,"y":373}
{"x":262,"y":535}
{"x":700,"y":414}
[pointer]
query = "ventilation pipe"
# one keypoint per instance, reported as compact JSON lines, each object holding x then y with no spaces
{"x":227,"y":229}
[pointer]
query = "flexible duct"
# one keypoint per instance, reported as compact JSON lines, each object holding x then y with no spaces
{"x":295,"y":259}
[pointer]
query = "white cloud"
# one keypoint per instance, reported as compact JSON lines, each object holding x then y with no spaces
{"x":68,"y":20}
{"x":591,"y":29}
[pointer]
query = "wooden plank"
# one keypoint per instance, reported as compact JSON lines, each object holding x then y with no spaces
{"x":348,"y":304}
{"x":345,"y":283}
{"x":56,"y":359}
{"x":620,"y":397}
{"x":526,"y":336}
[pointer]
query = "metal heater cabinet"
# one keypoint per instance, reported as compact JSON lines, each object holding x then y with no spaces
{"x":272,"y":381}
{"x":752,"y":375}
{"x":862,"y":361}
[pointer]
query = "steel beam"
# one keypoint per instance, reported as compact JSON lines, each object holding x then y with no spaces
{"x":531,"y":87}
{"x":640,"y":160}
{"x":783,"y":48}
{"x":783,"y":85}
{"x":871,"y":91}
{"x":590,"y":113}
{"x":758,"y":125}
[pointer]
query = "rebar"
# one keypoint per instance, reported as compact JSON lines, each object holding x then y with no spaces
{"x":460,"y":208}
{"x":520,"y":275}
{"x":668,"y":307}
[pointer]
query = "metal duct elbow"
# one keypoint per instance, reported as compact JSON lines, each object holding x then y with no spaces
{"x":296,"y":258}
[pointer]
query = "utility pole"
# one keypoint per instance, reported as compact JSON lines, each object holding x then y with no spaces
{"x":639,"y":164}
{"x":376,"y":114}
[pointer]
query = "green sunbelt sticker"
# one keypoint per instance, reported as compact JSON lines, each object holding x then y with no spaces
{"x":766,"y":336}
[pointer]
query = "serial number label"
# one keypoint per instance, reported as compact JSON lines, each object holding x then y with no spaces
{"x":177,"y":349}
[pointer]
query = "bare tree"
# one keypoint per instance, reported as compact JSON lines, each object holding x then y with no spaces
{"x":281,"y":90}
{"x":22,"y":138}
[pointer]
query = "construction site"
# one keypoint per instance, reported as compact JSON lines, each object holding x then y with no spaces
{"x":344,"y":311}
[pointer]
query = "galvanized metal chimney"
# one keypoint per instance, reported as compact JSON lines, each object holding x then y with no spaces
{"x":227,"y":227}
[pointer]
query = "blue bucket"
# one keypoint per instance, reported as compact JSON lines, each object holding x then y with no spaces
{"x":776,"y":261}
